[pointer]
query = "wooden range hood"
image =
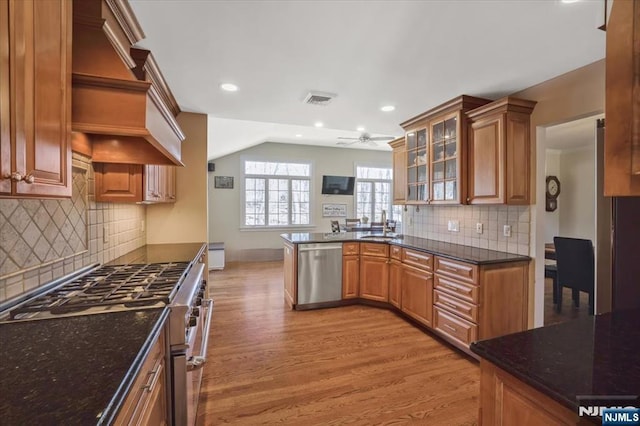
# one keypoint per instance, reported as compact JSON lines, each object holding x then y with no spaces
{"x":122,"y":109}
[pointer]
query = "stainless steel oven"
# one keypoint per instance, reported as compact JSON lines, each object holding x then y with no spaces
{"x":190,"y":323}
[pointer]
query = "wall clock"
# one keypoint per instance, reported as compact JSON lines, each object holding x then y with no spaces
{"x":551,"y":204}
{"x":553,"y":187}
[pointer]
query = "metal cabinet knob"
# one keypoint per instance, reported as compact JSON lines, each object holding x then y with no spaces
{"x":19,"y":177}
{"x":29,"y":179}
{"x":15,"y":176}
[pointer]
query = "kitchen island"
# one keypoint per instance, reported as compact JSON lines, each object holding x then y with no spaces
{"x":92,"y":366}
{"x":457,"y":292}
{"x":540,"y":374}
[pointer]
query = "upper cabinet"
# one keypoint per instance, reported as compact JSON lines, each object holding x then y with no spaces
{"x":399,"y":170}
{"x":436,"y":143}
{"x":622,"y":103}
{"x":135,"y":183}
{"x":35,"y":98}
{"x":499,"y":153}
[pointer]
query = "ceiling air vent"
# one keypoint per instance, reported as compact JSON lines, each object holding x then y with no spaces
{"x":319,"y":98}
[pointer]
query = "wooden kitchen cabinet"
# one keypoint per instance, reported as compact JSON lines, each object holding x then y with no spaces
{"x":416,"y":298}
{"x":622,"y":108}
{"x":146,"y":403}
{"x":350,"y":270}
{"x":290,"y":274}
{"x":436,"y":144}
{"x":474,"y":302}
{"x":399,"y":170}
{"x":374,"y":271}
{"x":134,"y":183}
{"x":499,"y":160}
{"x":35,"y":98}
{"x":506,"y":400}
{"x":395,"y":283}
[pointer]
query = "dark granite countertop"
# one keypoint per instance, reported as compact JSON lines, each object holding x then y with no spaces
{"x":468,"y":254}
{"x":592,"y":356}
{"x":158,"y":253}
{"x":72,"y":370}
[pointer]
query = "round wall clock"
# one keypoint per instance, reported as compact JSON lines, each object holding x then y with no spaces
{"x":553,"y":187}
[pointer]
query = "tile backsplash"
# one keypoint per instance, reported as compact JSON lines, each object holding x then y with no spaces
{"x":431,"y":222}
{"x":41,"y":240}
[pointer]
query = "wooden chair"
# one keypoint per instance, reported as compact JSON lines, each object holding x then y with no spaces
{"x":335,"y":226}
{"x":352,"y":222}
{"x":576,"y":269}
{"x":391,"y":225}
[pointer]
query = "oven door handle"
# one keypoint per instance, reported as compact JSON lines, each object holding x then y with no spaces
{"x":197,"y":362}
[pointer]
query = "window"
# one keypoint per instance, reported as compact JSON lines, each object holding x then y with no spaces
{"x":276,"y":194}
{"x":373,"y":194}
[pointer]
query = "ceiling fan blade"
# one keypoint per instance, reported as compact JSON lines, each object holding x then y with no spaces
{"x":382,"y":138}
{"x":347,"y":143}
{"x":351,"y":139}
{"x":371,"y":142}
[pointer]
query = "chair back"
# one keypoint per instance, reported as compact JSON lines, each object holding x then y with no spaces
{"x":335,"y":226}
{"x":575,"y":263}
{"x":377,"y":225}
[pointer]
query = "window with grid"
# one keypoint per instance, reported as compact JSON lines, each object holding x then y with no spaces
{"x":373,"y":194}
{"x":276,"y":194}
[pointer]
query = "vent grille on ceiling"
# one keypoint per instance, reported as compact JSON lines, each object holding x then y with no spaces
{"x":319,"y":98}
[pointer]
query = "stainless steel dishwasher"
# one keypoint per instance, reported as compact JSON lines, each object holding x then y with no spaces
{"x":319,"y":272}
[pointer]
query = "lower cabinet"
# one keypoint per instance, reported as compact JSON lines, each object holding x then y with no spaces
{"x":374,"y":271}
{"x":505,"y":400}
{"x":146,"y":403}
{"x":350,"y":270}
{"x":395,"y":283}
{"x":290,"y":276}
{"x":417,"y":290}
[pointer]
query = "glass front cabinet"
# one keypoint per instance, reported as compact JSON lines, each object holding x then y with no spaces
{"x":435,"y":149}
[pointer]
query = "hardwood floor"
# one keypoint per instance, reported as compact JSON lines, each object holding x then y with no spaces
{"x":352,"y":365}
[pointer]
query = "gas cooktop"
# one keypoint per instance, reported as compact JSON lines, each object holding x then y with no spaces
{"x":109,"y":287}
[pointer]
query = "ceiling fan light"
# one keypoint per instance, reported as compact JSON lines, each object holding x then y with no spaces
{"x":319,"y":124}
{"x":360,"y":129}
{"x":229,"y":87}
{"x":387,"y":108}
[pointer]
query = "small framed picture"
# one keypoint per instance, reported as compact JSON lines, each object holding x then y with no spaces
{"x":224,"y":182}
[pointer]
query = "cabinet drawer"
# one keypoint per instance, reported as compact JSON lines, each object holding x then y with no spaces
{"x":463,"y":331}
{"x":396,"y":252}
{"x":374,"y":249}
{"x":454,"y":305}
{"x":460,"y":270}
{"x":417,"y":258}
{"x":461,"y":290}
{"x":350,"y":248}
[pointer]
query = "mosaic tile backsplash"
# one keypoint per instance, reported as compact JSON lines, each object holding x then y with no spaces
{"x":41,"y":240}
{"x":431,"y":222}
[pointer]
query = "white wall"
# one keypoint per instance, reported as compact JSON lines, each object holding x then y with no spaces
{"x":552,"y":219}
{"x":225,"y":213}
{"x":576,"y":203}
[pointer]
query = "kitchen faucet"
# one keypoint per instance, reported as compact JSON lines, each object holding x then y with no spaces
{"x":384,"y":222}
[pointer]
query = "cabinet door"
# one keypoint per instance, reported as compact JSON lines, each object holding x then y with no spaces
{"x":417,"y":294}
{"x":350,"y":277}
{"x":5,"y":131}
{"x":445,"y":159}
{"x":290,"y":275}
{"x":374,"y":278}
{"x":486,"y":163}
{"x":152,"y":182}
{"x":395,"y":283}
{"x":169,"y":184}
{"x":417,"y":163}
{"x":40,"y":64}
{"x":399,"y":174}
{"x":118,"y":182}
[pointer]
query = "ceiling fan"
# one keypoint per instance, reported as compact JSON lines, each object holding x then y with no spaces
{"x":364,"y":138}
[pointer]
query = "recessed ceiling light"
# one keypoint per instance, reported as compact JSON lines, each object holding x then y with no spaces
{"x":229,"y":87}
{"x":360,"y":129}
{"x":298,"y":135}
{"x":318,"y":124}
{"x":569,"y":1}
{"x":387,"y":108}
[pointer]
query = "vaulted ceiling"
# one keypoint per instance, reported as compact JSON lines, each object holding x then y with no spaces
{"x":410,"y":54}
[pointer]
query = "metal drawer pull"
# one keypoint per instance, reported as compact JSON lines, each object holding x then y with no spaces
{"x":197,"y":362}
{"x":155,"y":375}
{"x":450,"y":268}
{"x":451,"y":305}
{"x":450,"y":328}
{"x":451,"y":287}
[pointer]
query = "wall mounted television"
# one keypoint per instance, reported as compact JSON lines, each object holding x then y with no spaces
{"x":338,"y":185}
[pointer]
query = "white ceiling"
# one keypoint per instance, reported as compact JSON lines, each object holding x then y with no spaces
{"x":411,"y":54}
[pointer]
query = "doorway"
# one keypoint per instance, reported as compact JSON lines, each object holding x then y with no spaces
{"x":570,"y":153}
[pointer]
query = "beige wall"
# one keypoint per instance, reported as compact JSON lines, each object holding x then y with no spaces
{"x":577,"y":202}
{"x":576,"y":94}
{"x":225,"y":204}
{"x":186,"y":219}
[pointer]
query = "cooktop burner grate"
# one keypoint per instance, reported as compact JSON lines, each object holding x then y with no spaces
{"x":132,"y":285}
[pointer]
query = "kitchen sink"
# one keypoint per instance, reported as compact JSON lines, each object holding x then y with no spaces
{"x":389,"y":236}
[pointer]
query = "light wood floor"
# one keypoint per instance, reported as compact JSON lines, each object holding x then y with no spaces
{"x":352,"y":365}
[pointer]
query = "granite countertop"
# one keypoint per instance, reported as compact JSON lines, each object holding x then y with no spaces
{"x":72,"y":370}
{"x":468,"y":254}
{"x":159,"y":253}
{"x":592,"y":356}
